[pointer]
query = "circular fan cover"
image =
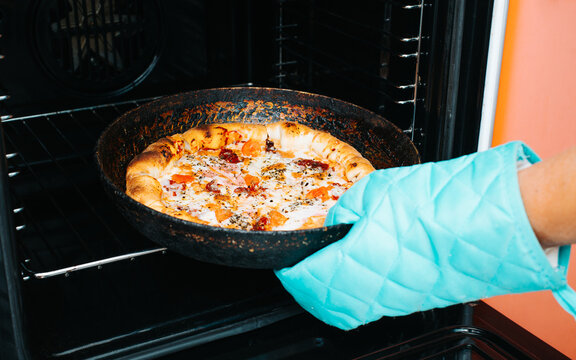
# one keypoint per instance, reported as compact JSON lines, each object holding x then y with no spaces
{"x":98,"y":47}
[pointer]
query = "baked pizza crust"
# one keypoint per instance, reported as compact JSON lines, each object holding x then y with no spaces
{"x":142,"y":172}
{"x":291,"y":135}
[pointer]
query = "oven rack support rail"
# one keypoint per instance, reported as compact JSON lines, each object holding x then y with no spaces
{"x":404,"y":93}
{"x":22,"y":139}
{"x":27,"y":273}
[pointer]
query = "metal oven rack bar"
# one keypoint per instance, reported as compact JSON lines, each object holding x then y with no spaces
{"x":309,"y":49}
{"x":62,"y":219}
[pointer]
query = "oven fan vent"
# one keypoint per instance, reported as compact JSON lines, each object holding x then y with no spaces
{"x":98,"y":47}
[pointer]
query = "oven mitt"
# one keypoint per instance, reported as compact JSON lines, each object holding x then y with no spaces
{"x":428,"y":236}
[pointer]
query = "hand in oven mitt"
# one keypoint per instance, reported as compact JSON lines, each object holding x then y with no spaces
{"x":429,"y":236}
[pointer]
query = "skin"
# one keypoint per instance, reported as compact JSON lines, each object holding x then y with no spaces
{"x":548,"y":190}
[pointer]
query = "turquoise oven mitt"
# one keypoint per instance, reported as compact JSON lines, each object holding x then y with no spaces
{"x":429,"y":236}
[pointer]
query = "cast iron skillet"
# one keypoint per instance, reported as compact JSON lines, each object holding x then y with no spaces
{"x":377,"y":139}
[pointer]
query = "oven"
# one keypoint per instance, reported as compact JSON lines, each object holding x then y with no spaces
{"x":78,"y":282}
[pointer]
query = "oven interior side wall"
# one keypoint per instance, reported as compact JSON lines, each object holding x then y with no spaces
{"x":13,"y":341}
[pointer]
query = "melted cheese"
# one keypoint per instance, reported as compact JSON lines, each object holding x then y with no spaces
{"x":220,"y":186}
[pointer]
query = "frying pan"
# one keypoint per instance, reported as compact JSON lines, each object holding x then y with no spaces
{"x":377,"y":139}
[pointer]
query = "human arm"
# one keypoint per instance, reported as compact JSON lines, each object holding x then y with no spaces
{"x":429,"y":236}
{"x":548,"y":191}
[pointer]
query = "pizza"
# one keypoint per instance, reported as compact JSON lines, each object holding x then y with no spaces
{"x":262,"y":177}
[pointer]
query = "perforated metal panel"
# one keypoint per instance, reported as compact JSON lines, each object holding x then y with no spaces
{"x":97,"y":46}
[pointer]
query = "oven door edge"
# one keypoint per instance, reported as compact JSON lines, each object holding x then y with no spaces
{"x":495,"y":51}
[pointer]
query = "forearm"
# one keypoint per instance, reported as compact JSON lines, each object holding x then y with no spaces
{"x":548,"y":190}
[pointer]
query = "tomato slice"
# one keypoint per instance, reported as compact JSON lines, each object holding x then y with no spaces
{"x":276,"y":218}
{"x":222,"y":214}
{"x":321,"y":192}
{"x":251,"y":180}
{"x":252,"y":148}
{"x":182,"y":178}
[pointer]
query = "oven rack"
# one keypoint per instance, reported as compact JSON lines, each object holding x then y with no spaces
{"x":63,"y":220}
{"x":310,"y":52}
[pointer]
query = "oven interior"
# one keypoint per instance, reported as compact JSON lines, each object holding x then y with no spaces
{"x":78,"y":282}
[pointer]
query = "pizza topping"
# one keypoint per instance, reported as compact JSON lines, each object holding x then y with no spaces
{"x":250,"y":183}
{"x":261,"y":224}
{"x":252,"y":187}
{"x":182,"y":179}
{"x":229,"y":156}
{"x":242,"y":189}
{"x":270,"y":145}
{"x":274,"y":171}
{"x":277,"y":219}
{"x":251,"y":180}
{"x":213,"y":187}
{"x":239,"y":222}
{"x":321,"y":192}
{"x":249,"y":190}
{"x":222,"y":214}
{"x":276,"y":191}
{"x":228,"y":177}
{"x":252,"y":148}
{"x":312,"y":164}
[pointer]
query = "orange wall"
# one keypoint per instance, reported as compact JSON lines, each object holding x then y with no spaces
{"x":537,"y":104}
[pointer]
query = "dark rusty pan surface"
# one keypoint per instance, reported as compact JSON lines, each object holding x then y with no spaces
{"x":377,"y":139}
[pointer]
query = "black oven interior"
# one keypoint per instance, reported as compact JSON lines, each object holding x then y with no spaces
{"x":78,"y":282}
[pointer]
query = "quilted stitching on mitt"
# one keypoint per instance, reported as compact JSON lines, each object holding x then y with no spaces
{"x":425,"y":236}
